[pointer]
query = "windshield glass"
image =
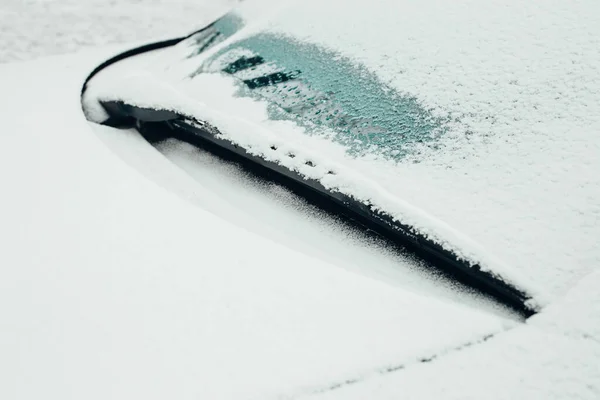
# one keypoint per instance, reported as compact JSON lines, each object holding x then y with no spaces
{"x":471,"y":122}
{"x":324,"y":92}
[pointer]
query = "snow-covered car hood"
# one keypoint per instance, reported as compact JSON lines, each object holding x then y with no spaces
{"x":114,"y":287}
{"x":505,"y":173}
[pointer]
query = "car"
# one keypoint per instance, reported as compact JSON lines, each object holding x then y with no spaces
{"x":463,"y":132}
{"x":324,"y":85}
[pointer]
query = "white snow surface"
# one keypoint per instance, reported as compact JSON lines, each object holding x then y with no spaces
{"x":554,"y":356}
{"x":250,"y":127}
{"x":267,"y":209}
{"x":114,"y":287}
{"x":524,"y":81}
{"x":126,"y":275}
{"x":34,"y":28}
{"x":515,"y":185}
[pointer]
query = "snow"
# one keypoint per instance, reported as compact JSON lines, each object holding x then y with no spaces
{"x":135,"y":272}
{"x":525,"y":363}
{"x":117,"y":287}
{"x":514,"y":184}
{"x":519,"y":171}
{"x":37,"y":28}
{"x":250,"y":127}
{"x":554,"y":356}
{"x":269,"y":210}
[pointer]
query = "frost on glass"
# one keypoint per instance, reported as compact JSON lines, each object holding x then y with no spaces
{"x":327,"y":94}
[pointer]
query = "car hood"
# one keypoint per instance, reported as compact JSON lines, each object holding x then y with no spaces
{"x":115,"y":287}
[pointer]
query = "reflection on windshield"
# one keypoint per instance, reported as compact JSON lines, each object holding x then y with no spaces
{"x":215,"y":33}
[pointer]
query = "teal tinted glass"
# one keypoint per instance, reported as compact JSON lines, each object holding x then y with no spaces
{"x":318,"y":88}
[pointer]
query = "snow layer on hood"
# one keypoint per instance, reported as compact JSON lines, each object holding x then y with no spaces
{"x":250,"y":127}
{"x":113,"y":287}
{"x":513,"y":184}
{"x":269,"y":210}
{"x":554,"y":356}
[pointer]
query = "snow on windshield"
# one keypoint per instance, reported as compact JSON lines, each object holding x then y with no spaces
{"x":317,"y":88}
{"x":495,"y":154}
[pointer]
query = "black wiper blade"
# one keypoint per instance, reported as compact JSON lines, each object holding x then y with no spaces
{"x":207,"y":137}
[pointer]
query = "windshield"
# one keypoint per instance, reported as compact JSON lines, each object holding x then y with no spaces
{"x":471,"y":122}
{"x":324,"y":92}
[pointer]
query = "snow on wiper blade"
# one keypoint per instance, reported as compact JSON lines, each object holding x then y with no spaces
{"x":209,"y":138}
{"x":319,"y":129}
